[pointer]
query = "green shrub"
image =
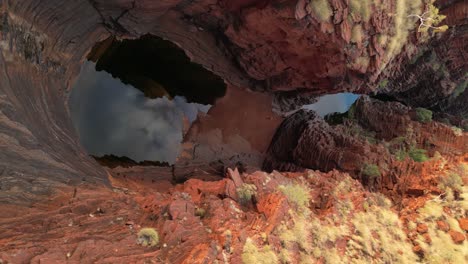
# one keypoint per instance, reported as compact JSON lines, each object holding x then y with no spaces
{"x":297,"y":194}
{"x":418,"y":155}
{"x":370,"y":171}
{"x":321,"y":9}
{"x":461,"y":87}
{"x":401,"y":154}
{"x":148,"y":237}
{"x":423,"y":115}
{"x":335,"y":118}
{"x":245,"y":192}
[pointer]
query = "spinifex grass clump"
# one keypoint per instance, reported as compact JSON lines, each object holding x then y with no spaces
{"x":148,"y":237}
{"x":246,"y":192}
{"x":296,"y":194}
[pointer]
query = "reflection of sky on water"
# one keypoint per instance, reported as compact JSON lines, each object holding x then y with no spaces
{"x":115,"y":118}
{"x":333,"y":103}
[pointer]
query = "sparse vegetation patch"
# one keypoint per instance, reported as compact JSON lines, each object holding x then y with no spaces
{"x":296,"y":194}
{"x":251,"y":254}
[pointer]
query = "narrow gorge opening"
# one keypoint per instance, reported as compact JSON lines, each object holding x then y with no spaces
{"x":332,"y":103}
{"x":135,"y":99}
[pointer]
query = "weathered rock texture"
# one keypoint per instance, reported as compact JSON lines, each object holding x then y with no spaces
{"x":283,"y":46}
{"x":100,"y":225}
{"x":58,"y":204}
{"x":369,"y":136}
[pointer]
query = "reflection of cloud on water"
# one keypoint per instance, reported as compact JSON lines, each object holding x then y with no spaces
{"x":333,"y":103}
{"x":114,"y":118}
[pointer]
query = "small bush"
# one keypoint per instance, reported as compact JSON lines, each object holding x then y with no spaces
{"x":401,"y":154}
{"x":246,"y":192}
{"x":344,"y":187}
{"x":380,"y":200}
{"x":201,"y":212}
{"x":418,"y":155}
{"x":451,"y":182}
{"x":253,"y":255}
{"x":297,"y":194}
{"x":321,"y":9}
{"x":433,"y":19}
{"x":461,"y":87}
{"x":370,"y":171}
{"x":431,"y":211}
{"x":335,"y":118}
{"x":423,"y":115}
{"x":297,"y":234}
{"x":148,"y":237}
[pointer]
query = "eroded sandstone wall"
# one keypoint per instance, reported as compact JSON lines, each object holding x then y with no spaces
{"x":285,"y":45}
{"x":372,"y":132}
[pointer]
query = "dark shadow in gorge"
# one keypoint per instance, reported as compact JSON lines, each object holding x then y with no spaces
{"x":157,"y":67}
{"x":112,"y":161}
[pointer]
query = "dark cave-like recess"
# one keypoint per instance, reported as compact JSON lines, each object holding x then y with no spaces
{"x":158,"y":68}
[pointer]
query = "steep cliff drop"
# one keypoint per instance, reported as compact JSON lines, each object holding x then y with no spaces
{"x":385,"y":181}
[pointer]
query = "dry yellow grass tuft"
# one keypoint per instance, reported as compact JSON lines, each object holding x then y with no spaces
{"x":321,"y":9}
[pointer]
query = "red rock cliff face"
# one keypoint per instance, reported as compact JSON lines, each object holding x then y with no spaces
{"x":285,"y":46}
{"x":371,"y":135}
{"x":435,"y":75}
{"x":58,"y":204}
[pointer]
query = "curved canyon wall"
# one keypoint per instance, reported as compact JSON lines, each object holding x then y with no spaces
{"x":283,"y":46}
